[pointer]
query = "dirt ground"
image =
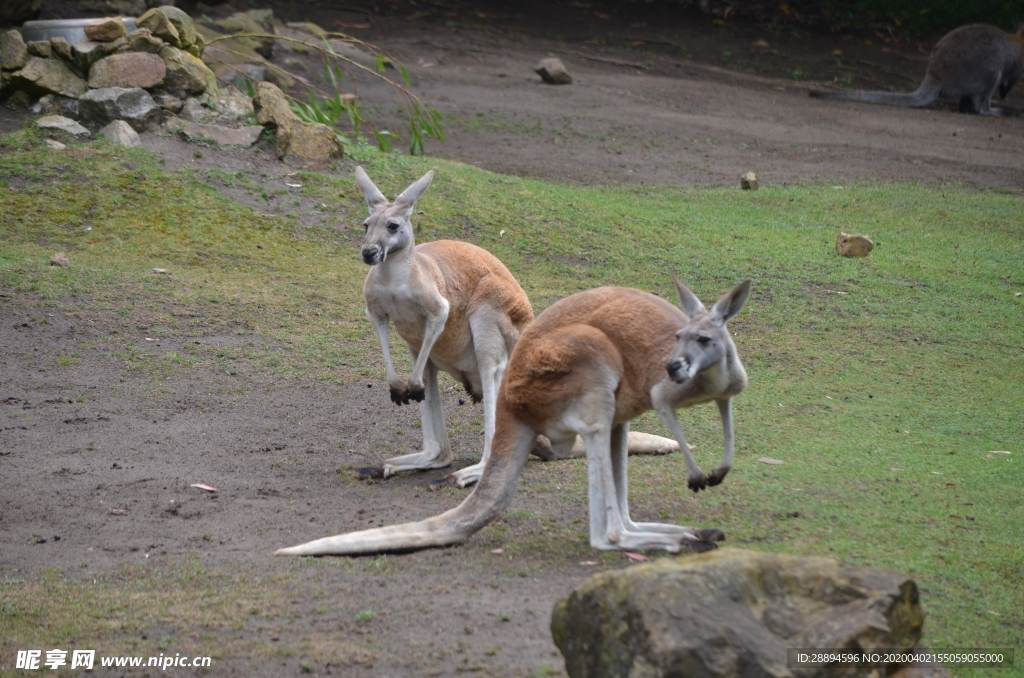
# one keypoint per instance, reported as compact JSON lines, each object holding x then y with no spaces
{"x":104,"y":459}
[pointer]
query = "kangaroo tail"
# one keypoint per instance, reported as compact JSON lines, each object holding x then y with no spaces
{"x":924,"y":95}
{"x":509,"y":452}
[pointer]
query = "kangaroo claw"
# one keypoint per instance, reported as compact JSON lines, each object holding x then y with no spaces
{"x":368,"y":472}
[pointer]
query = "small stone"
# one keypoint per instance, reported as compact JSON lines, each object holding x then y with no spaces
{"x":134,"y":105}
{"x":141,"y":40}
{"x":182,"y":22}
{"x":853,"y":245}
{"x":193,"y":111}
{"x":245,"y":136}
{"x":132,"y":69}
{"x":168,"y":102}
{"x":121,"y":133}
{"x":173,"y":124}
{"x":60,"y":259}
{"x":552,"y":71}
{"x":748,"y":182}
{"x":186,"y":74}
{"x":60,"y":122}
{"x":60,"y":48}
{"x":106,"y":30}
{"x":13,"y":52}
{"x":54,"y":144}
{"x":87,"y":52}
{"x":230,"y":103}
{"x":19,"y":99}
{"x":40,"y":48}
{"x":158,"y":24}
{"x":160,"y":270}
{"x":56,"y":104}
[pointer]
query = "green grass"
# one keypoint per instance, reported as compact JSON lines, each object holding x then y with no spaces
{"x":883,"y":383}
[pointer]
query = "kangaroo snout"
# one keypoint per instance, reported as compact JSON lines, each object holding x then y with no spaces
{"x":372,"y":254}
{"x":678,"y":370}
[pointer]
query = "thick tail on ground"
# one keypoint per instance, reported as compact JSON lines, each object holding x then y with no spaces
{"x":497,"y":486}
{"x":924,"y":95}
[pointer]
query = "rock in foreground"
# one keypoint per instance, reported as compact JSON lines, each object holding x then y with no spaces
{"x":299,"y":144}
{"x":552,"y":71}
{"x":853,"y":245}
{"x":731,"y":613}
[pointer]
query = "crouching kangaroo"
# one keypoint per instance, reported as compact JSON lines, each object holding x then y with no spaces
{"x":969,"y":63}
{"x":459,"y":310}
{"x":587,"y":366}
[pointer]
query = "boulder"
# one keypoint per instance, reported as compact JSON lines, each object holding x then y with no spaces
{"x":231,"y":103}
{"x":40,"y":48}
{"x":853,"y":245}
{"x":731,"y":613}
{"x":41,"y":76}
{"x":245,"y":136}
{"x":131,"y":69}
{"x":60,"y":259}
{"x":173,"y":124}
{"x":748,"y":182}
{"x":186,"y":74}
{"x":157,"y":23}
{"x":60,"y":48}
{"x":193,"y":111}
{"x":299,"y":144}
{"x":105,"y":30}
{"x":141,"y":40}
{"x":182,"y":22}
{"x":552,"y":71}
{"x":121,"y":133}
{"x":134,"y":105}
{"x":87,"y":52}
{"x":15,"y":12}
{"x":13,"y":51}
{"x":253,"y":21}
{"x":60,"y":122}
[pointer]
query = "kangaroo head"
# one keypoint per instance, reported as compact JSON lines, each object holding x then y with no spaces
{"x":704,"y":339}
{"x":387,"y":228}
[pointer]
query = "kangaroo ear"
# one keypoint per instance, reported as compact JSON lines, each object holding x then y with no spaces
{"x":407,"y":200}
{"x":731,"y":304}
{"x":370,"y":192}
{"x":688,"y":301}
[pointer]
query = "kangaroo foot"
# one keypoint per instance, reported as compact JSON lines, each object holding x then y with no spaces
{"x":699,"y":546}
{"x":711,"y":534}
{"x":448,"y":481}
{"x":368,"y":472}
{"x":403,"y":394}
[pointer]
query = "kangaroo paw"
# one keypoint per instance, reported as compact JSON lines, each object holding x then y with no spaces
{"x":700,"y":546}
{"x":698,"y":484}
{"x":717,"y":476}
{"x":711,"y":535}
{"x":399,"y":396}
{"x":368,"y":472}
{"x":417,"y":394}
{"x":447,"y":481}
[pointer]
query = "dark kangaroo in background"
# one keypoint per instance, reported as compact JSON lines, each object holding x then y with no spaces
{"x":968,"y":63}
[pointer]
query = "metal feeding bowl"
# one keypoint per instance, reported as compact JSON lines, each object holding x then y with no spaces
{"x":71,"y":30}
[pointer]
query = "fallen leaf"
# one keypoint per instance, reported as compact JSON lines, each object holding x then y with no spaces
{"x":837,"y":52}
{"x":1018,"y":294}
{"x":999,"y":452}
{"x":636,"y":42}
{"x":636,"y":556}
{"x":936,"y":473}
{"x":497,"y":552}
{"x":204,"y":486}
{"x":589,"y":563}
{"x":953,"y":515}
{"x":427,"y":65}
{"x":150,"y":339}
{"x":950,"y":484}
{"x":762,"y":43}
{"x":293,"y":185}
{"x":345,"y":25}
{"x":501,"y":233}
{"x":601,"y":15}
{"x":159,"y":270}
{"x":769,"y":460}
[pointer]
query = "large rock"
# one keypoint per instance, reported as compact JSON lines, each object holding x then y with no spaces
{"x":132,"y":69}
{"x":254,"y":21}
{"x":186,"y":74}
{"x":157,"y":23}
{"x":40,"y":48}
{"x":121,"y":133}
{"x":60,"y":122}
{"x":227,"y":136}
{"x":60,"y":48}
{"x":299,"y":144}
{"x":182,"y":22}
{"x":105,"y":30}
{"x":731,"y":613}
{"x":231,"y":103}
{"x":41,"y":76}
{"x":56,"y":104}
{"x":13,"y":51}
{"x":134,"y":105}
{"x":848,"y":245}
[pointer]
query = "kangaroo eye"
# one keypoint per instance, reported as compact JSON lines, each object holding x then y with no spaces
{"x":393,"y":226}
{"x":703,"y":340}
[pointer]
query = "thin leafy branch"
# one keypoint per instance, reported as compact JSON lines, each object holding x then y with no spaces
{"x":324,"y":107}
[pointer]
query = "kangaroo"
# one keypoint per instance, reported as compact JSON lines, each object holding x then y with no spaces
{"x":588,"y":365}
{"x":460,"y":311}
{"x":969,"y":63}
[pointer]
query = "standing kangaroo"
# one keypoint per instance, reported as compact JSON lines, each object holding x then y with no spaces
{"x":459,"y":310}
{"x":968,"y":63}
{"x":587,"y":366}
